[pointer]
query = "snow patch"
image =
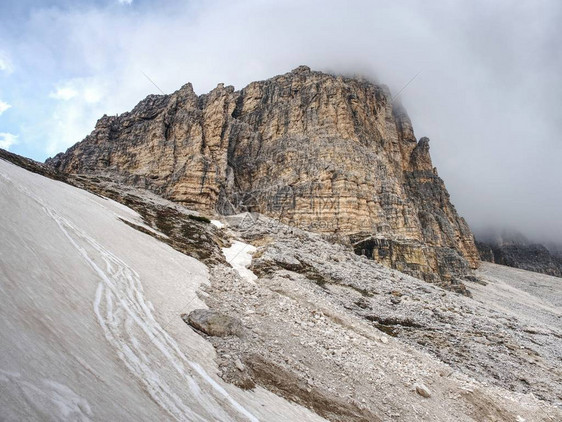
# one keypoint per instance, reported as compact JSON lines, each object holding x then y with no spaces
{"x":217,"y":224}
{"x":239,"y":255}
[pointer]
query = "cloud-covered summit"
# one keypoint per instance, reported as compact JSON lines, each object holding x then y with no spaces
{"x":487,"y":94}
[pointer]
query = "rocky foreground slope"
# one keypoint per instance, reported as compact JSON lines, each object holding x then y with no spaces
{"x":325,"y":153}
{"x":93,"y":329}
{"x":314,"y":300}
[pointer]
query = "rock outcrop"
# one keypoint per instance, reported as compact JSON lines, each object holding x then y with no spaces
{"x":514,"y":250}
{"x":325,"y":153}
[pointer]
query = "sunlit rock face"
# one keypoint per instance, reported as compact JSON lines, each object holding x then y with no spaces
{"x":326,"y":153}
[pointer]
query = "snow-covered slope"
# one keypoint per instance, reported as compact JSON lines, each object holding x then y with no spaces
{"x":90,"y":322}
{"x":89,"y":311}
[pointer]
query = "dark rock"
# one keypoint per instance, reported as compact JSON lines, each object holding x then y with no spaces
{"x":516,"y":251}
{"x":213,"y":323}
{"x":486,"y":252}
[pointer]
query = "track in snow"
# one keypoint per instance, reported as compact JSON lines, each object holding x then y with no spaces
{"x":140,"y":341}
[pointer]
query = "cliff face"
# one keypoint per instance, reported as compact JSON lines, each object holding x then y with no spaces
{"x":325,"y":153}
{"x":521,"y":254}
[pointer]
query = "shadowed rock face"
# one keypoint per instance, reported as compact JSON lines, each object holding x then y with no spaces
{"x":525,"y":255}
{"x":325,"y":153}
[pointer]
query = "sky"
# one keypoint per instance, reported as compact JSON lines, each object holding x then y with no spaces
{"x":488,"y":90}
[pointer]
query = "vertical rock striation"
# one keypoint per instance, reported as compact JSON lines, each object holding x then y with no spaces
{"x":326,"y":153}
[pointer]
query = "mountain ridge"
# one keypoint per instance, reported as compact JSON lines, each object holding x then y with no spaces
{"x":513,"y":249}
{"x":325,"y":153}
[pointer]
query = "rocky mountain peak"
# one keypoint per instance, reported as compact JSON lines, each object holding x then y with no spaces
{"x":301,"y":69}
{"x":327,"y":153}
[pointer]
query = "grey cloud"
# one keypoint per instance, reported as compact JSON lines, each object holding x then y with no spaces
{"x":488,"y":95}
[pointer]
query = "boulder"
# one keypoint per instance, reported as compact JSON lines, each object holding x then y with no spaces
{"x":213,"y":323}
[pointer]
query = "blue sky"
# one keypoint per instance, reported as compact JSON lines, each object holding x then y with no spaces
{"x":488,"y":94}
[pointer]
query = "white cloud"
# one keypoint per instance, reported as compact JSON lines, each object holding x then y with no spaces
{"x":7,"y":140}
{"x":4,"y":106}
{"x":5,"y":63}
{"x":68,"y":124}
{"x":89,"y":90}
{"x":81,"y":102}
{"x":64,"y":93}
{"x":92,"y":94}
{"x":125,"y":1}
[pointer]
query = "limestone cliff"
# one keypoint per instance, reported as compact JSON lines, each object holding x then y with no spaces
{"x":326,"y":153}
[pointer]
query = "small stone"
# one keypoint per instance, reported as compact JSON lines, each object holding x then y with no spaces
{"x":384,"y":340}
{"x":422,"y":390}
{"x":239,"y":365}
